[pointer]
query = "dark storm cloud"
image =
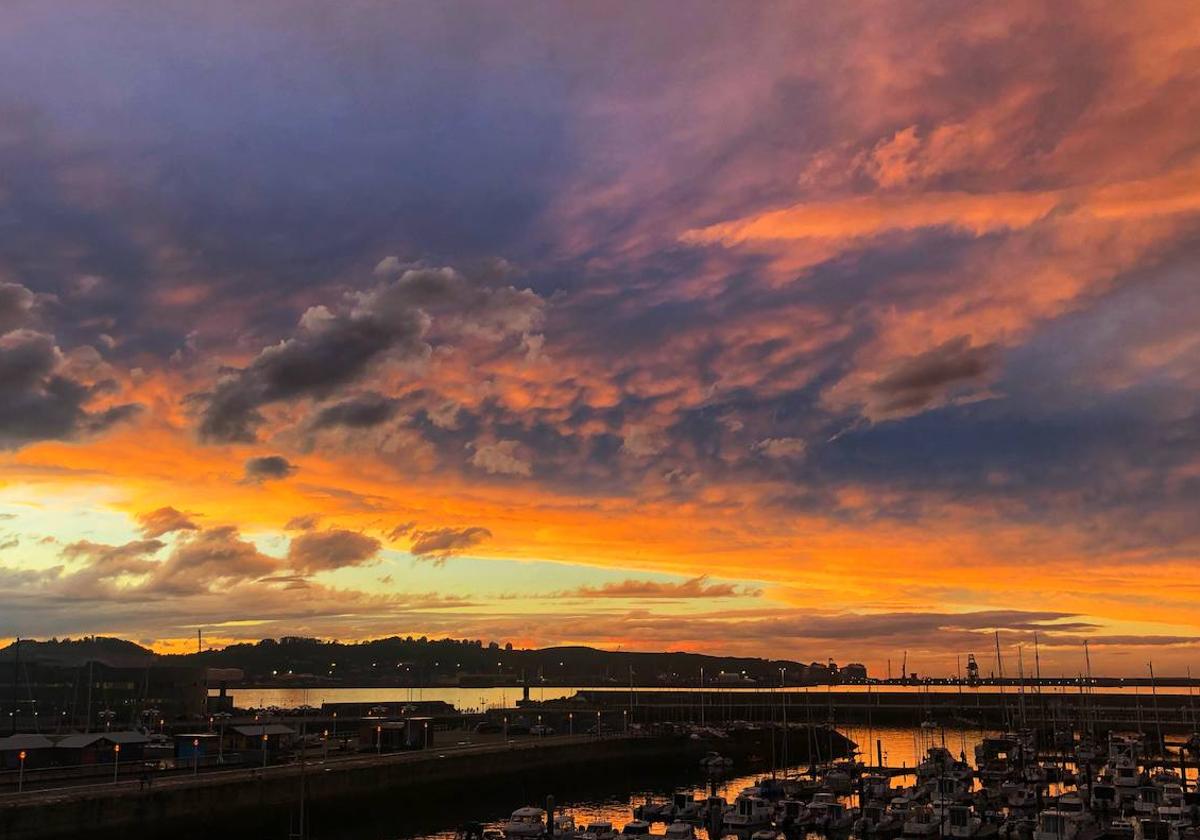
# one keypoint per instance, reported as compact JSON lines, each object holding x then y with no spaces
{"x":924,"y":379}
{"x":16,"y":306}
{"x":268,"y":468}
{"x":39,"y":402}
{"x":441,"y":543}
{"x":331,"y":349}
{"x":359,"y":412}
{"x":319,"y":551}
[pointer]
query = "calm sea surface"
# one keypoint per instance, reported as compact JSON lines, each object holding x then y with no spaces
{"x":475,"y":699}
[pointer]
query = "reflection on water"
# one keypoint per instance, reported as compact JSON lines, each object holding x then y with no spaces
{"x":474,"y":699}
{"x":609,"y":797}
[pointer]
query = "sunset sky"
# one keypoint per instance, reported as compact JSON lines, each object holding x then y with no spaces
{"x":783,"y":329}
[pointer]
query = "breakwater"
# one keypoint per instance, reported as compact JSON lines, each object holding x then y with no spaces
{"x":1173,"y":711}
{"x":268,"y":801}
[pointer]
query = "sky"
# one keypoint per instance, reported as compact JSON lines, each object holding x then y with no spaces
{"x":791,"y":329}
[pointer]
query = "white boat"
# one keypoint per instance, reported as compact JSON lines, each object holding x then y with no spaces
{"x":1174,"y":807}
{"x":766,"y":834}
{"x":748,"y":813}
{"x":599,"y":830}
{"x":1151,"y":830}
{"x":923,"y":822}
{"x":525,"y":822}
{"x":680,"y":831}
{"x":1104,"y":798}
{"x":655,"y":811}
{"x":877,"y":821}
{"x":1056,"y":824}
{"x":686,"y":806}
{"x":962,"y":822}
{"x":635,"y":828}
{"x":1147,"y":802}
{"x":878,"y":788}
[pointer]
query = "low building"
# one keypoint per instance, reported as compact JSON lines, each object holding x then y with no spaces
{"x":412,"y":733}
{"x":38,"y":751}
{"x":196,"y":746}
{"x":249,"y":737}
{"x":100,"y":747}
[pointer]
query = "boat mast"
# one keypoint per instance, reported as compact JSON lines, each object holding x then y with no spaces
{"x":15,"y":692}
{"x":1000,"y":672}
{"x":1162,"y":747}
{"x":1087,"y":658}
{"x":1021,"y":685}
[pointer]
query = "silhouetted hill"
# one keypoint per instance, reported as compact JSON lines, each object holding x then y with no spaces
{"x":421,"y":661}
{"x":71,"y":652}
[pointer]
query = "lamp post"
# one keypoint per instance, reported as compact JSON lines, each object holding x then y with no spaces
{"x":571,"y":722}
{"x":195,"y":756}
{"x":426,"y":734}
{"x":597,"y":723}
{"x":625,"y":715}
{"x":378,"y":740}
{"x":21,"y":772}
{"x":506,"y":727}
{"x":325,"y":746}
{"x":541,"y":731}
{"x":116,"y":761}
{"x":264,"y":746}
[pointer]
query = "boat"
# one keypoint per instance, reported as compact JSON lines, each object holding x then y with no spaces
{"x":599,"y":830}
{"x":1121,"y":828}
{"x":877,"y":821}
{"x":1147,"y":801}
{"x":525,"y":822}
{"x":635,"y":828}
{"x":748,"y":813}
{"x":687,"y":807}
{"x":923,"y":821}
{"x":715,"y":761}
{"x":1056,"y":824}
{"x":1104,"y":798}
{"x":962,"y":822}
{"x":680,"y":831}
{"x":655,"y":811}
{"x":1152,"y":829}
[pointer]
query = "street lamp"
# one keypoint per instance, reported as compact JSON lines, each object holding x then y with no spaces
{"x":625,"y":715}
{"x":597,"y":723}
{"x":264,"y":746}
{"x":426,"y":734}
{"x":378,"y":740}
{"x":325,"y":745}
{"x":116,"y":761}
{"x":571,"y":722}
{"x":21,"y":772}
{"x":195,"y":756}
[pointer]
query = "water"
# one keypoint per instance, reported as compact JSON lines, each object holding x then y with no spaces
{"x":479,"y":699}
{"x":608,"y":796}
